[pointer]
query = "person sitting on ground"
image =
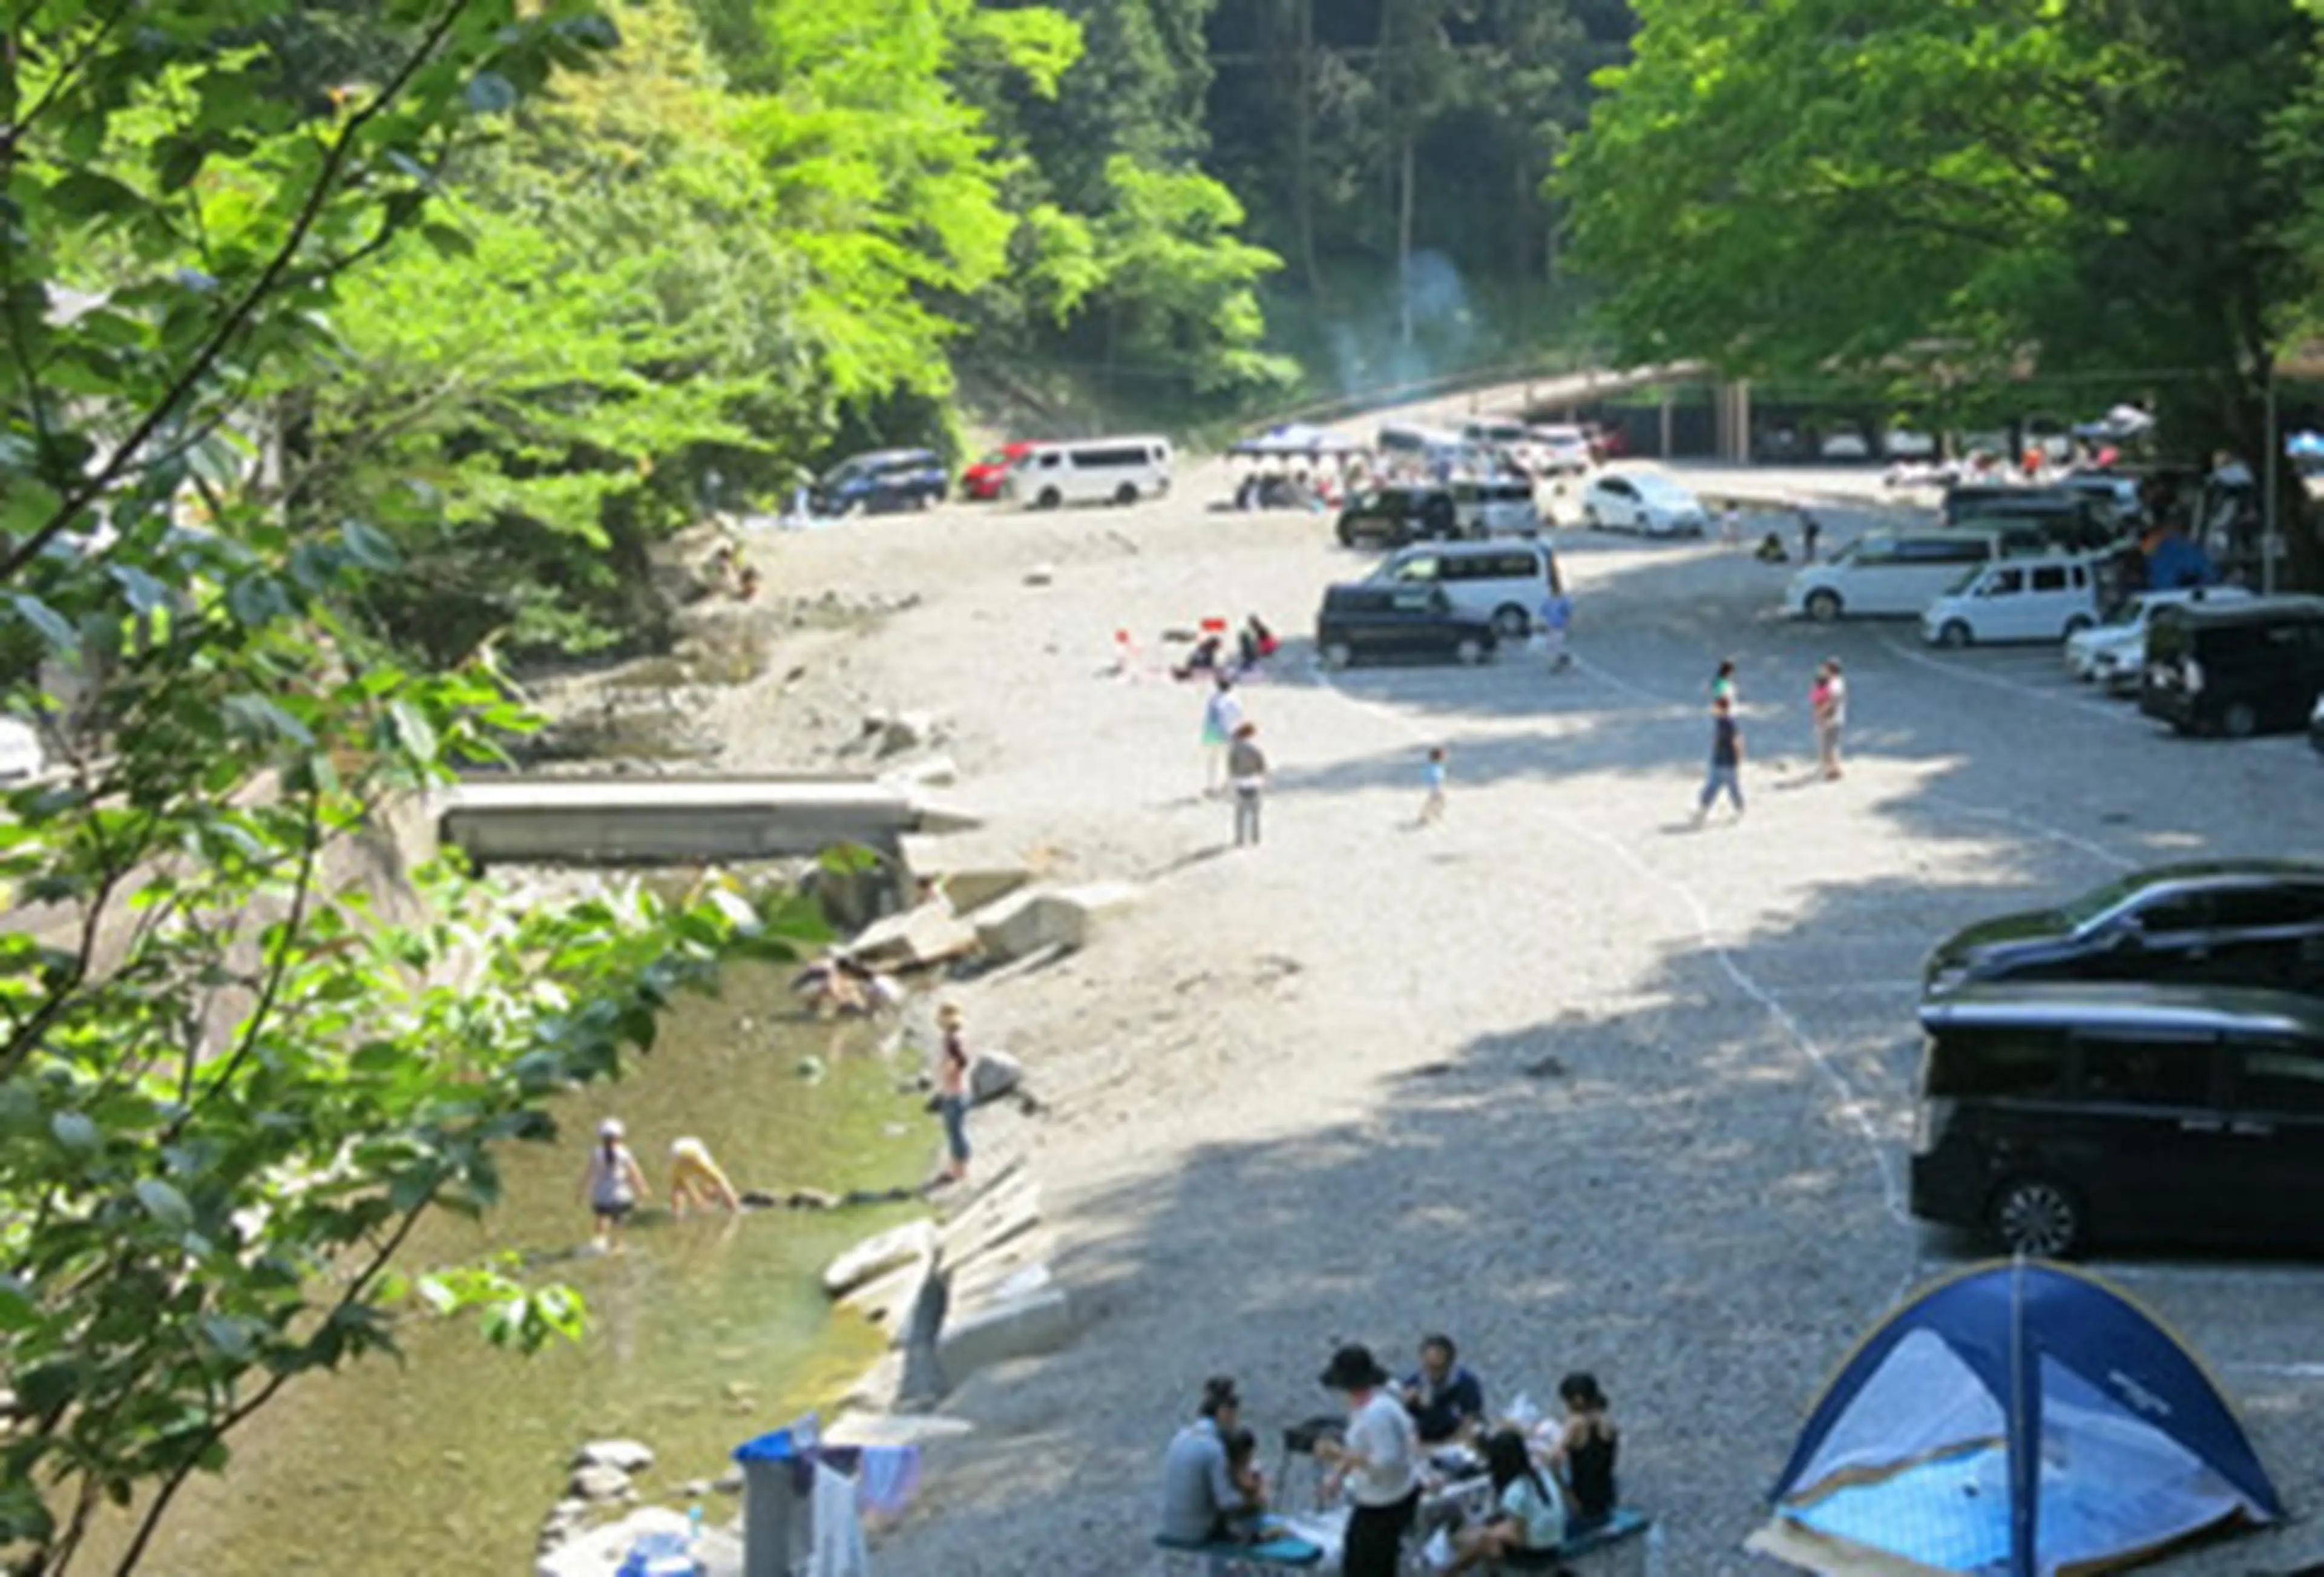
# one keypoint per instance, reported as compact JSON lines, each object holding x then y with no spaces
{"x":1526,"y":1514}
{"x":1583,"y":1457}
{"x":1249,"y":1527}
{"x":1200,"y":1497}
{"x":695,"y":1178}
{"x":1255,"y":644}
{"x":1771,"y":550}
{"x":1203,"y":660}
{"x":1444,"y":1396}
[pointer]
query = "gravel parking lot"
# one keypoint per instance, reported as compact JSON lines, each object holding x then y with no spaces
{"x":1564,"y":1076}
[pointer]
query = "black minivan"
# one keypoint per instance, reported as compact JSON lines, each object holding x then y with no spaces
{"x":2054,"y":1116}
{"x":2236,"y":668}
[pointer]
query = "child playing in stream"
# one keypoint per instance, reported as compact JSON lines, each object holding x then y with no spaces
{"x":697,"y":1180}
{"x":613,"y":1182}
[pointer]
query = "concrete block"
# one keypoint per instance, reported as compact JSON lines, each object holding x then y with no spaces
{"x":875,"y":1256}
{"x":976,"y":1338}
{"x":999,"y":1217}
{"x":980,"y":1279}
{"x":1035,"y":917}
{"x":929,"y":934}
{"x":888,"y":1299}
{"x":893,"y":1428}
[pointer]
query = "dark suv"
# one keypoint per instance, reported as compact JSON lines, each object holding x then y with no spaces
{"x":2251,"y":923}
{"x":2054,"y":1116}
{"x":1397,"y":515}
{"x":1386,"y":619}
{"x":2236,"y":668}
{"x":880,"y":483}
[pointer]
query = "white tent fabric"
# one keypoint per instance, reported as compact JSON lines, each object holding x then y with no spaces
{"x":1923,"y":1399}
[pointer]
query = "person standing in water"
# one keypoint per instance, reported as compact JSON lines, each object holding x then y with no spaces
{"x":613,"y":1182}
{"x":697,"y":1180}
{"x":952,"y":1094}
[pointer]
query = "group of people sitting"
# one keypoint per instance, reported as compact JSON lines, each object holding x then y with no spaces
{"x":1254,"y":644}
{"x":1549,"y":1480}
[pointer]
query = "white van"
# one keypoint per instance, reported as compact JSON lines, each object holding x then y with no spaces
{"x":2016,"y":599}
{"x":1493,"y":432}
{"x":1507,"y":582}
{"x":1091,"y":471}
{"x":1891,"y":573}
{"x":1503,"y":507}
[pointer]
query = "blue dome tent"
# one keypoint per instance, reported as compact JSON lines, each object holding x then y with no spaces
{"x":2014,"y":1420}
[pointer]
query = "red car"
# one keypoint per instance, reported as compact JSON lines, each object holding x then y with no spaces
{"x":983,"y":479}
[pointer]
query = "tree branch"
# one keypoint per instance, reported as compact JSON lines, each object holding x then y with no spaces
{"x":239,"y":317}
{"x":12,"y":134}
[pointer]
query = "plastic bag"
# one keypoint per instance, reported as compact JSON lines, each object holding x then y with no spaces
{"x":1524,"y":1413}
{"x":1438,"y":1551}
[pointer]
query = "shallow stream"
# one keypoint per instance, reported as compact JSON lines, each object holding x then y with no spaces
{"x":704,"y":1331}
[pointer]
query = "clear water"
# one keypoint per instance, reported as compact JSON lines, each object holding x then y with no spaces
{"x":704,"y":1333}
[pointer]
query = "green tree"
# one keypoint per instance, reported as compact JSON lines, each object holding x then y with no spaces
{"x":234,"y":1072}
{"x":1962,"y":191}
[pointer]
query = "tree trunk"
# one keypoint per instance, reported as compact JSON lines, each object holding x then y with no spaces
{"x":1303,"y":175}
{"x":1404,"y":236}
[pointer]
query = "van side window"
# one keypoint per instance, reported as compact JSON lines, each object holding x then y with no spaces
{"x":1427,"y":567}
{"x":2280,"y":1079}
{"x":2145,"y":1072}
{"x":2003,"y":582}
{"x":1982,"y":1062}
{"x":2050,"y":577}
{"x":2262,"y":906}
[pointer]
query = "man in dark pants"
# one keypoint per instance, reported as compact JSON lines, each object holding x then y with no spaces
{"x":1380,"y":1463}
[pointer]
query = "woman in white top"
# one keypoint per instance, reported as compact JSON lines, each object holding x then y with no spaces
{"x":1380,"y":1463}
{"x":1528,"y":1514}
{"x":613,"y":1181}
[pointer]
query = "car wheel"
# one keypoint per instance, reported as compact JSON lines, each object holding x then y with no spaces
{"x":2075,"y":626}
{"x":1347,"y":537}
{"x":1824,"y":606}
{"x":1126,"y":494}
{"x":1337,"y":655}
{"x":1469,"y":652}
{"x":2037,"y":1218}
{"x":1511,"y":622}
{"x":1955,"y":634}
{"x":1050,"y":498}
{"x":2239,"y":720}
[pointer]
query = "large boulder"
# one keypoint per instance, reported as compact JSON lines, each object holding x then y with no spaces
{"x":992,"y":1075}
{"x":628,"y":1456}
{"x":1034,"y":917}
{"x":876,"y":1256}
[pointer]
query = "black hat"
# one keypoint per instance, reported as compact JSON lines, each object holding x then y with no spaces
{"x":1353,"y":1369}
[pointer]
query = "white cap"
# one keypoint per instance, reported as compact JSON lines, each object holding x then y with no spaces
{"x":610,"y":1129}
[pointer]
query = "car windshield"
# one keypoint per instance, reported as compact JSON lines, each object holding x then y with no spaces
{"x":2123,"y":613}
{"x":1966,"y":580}
{"x":1660,"y":489}
{"x":2099,"y":902}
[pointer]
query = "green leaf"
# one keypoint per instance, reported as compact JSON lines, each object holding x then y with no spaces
{"x":448,"y":240}
{"x":18,"y":1307}
{"x":54,"y":628}
{"x":164,"y":1204}
{"x":74,"y":1131}
{"x":490,"y":92}
{"x":412,"y":730}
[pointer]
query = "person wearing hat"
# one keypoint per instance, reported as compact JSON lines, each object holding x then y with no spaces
{"x":1380,"y":1463}
{"x":1200,"y":1497}
{"x":613,"y":1181}
{"x":952,"y":1094}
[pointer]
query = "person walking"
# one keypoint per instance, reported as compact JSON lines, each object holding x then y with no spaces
{"x":1830,"y":699}
{"x":952,"y":1094}
{"x":1431,"y":809}
{"x":1722,"y":683}
{"x":1556,"y":621}
{"x":1726,"y":760}
{"x":1247,"y":773}
{"x":1221,"y":712}
{"x":1810,"y":528}
{"x":1379,"y":1462}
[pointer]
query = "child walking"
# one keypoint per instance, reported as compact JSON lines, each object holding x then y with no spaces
{"x":1726,"y":760}
{"x":1431,"y":809}
{"x":613,"y":1182}
{"x":1247,"y":772}
{"x":1556,"y":619}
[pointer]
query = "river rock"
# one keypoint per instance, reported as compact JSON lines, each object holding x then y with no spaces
{"x":929,"y":933}
{"x":598,"y":1483}
{"x":992,"y":1075}
{"x":812,"y":1199}
{"x":889,"y":1251}
{"x":906,"y":730}
{"x":630,"y":1456}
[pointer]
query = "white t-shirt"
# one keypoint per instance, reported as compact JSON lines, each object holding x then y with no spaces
{"x":1381,"y":1432}
{"x":1836,"y":701}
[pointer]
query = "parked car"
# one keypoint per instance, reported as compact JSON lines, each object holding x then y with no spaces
{"x":1120,"y":470}
{"x":2054,"y":1117}
{"x":2115,"y":495}
{"x":1844,"y":446}
{"x":1642,"y":501}
{"x":1504,"y":507}
{"x":2014,"y":599}
{"x":2063,"y":522}
{"x":2113,"y":651}
{"x":1889,"y":572}
{"x":2249,"y":922}
{"x":1373,"y":621}
{"x":1562,"y":451}
{"x":1505,"y":582}
{"x":1397,"y":515}
{"x":985,"y":480}
{"x":2242,"y":667}
{"x":880,"y":483}
{"x":1500,"y":433}
{"x":2316,"y":726}
{"x":1978,"y":502}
